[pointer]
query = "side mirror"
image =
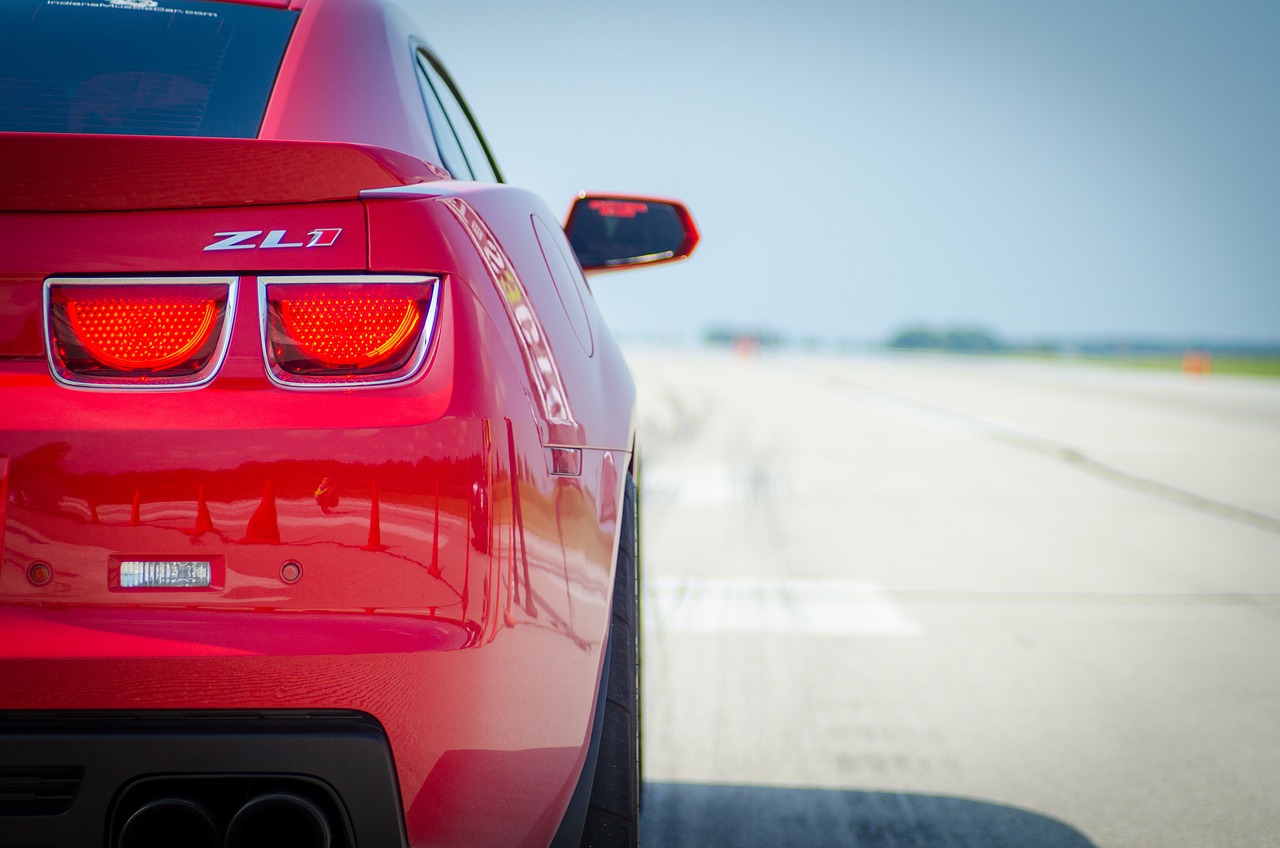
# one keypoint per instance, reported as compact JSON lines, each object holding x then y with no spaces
{"x":612,"y":232}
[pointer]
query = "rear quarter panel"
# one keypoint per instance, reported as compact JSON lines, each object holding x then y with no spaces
{"x":580,"y":387}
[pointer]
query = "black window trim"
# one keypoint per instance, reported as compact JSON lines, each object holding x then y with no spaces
{"x":423,"y":53}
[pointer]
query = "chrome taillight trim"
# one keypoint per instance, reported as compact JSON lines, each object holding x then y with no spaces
{"x":410,"y":372}
{"x":114,"y":384}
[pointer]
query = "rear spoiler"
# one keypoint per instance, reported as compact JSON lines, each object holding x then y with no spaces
{"x":56,"y":172}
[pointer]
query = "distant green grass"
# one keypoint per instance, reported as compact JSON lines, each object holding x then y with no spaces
{"x":1254,"y":366}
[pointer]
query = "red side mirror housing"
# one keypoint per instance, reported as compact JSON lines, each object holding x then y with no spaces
{"x":610,"y":232}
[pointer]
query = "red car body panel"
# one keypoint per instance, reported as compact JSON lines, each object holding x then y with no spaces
{"x":380,"y":105}
{"x":437,"y":554}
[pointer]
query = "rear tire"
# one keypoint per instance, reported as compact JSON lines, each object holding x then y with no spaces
{"x":613,"y":817}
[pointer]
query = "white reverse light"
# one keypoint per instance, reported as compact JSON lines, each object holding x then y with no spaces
{"x":166,"y":574}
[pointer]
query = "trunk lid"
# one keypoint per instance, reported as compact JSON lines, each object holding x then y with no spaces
{"x":107,"y":206}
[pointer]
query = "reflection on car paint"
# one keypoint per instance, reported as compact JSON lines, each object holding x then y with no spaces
{"x":540,"y":361}
{"x":388,"y":520}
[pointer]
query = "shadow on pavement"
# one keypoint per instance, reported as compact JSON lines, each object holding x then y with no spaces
{"x":691,"y":814}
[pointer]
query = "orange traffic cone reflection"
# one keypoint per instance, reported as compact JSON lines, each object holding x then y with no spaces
{"x":264,"y":524}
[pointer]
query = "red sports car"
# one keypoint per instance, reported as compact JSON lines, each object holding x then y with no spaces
{"x":317,"y":458}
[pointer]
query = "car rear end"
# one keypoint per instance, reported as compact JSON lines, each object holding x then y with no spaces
{"x":260,"y":484}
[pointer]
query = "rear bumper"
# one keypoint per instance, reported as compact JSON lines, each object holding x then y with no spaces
{"x":460,"y":746}
{"x":70,"y":775}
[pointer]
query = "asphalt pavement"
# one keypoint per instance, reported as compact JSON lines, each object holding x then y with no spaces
{"x":933,"y":601}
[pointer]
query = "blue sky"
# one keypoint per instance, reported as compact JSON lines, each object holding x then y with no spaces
{"x":1040,"y":169}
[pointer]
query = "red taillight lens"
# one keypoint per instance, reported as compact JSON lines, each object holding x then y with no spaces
{"x":137,"y":333}
{"x":346,"y":330}
{"x":151,"y":334}
{"x":358,"y":331}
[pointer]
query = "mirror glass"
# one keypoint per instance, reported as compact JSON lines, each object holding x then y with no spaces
{"x":614,"y":232}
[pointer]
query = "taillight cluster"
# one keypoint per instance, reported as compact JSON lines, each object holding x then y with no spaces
{"x":317,"y":332}
{"x":135,"y":333}
{"x":345,"y":330}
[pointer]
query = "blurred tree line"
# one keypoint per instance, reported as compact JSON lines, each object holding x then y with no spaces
{"x":954,"y":339}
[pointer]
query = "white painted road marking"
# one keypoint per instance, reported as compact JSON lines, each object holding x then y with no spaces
{"x":809,"y":607}
{"x":710,"y":485}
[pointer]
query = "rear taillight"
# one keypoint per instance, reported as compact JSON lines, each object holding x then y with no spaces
{"x":351,"y":330}
{"x":138,"y":333}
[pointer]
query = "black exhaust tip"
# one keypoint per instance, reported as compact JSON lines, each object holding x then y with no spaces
{"x":279,"y":820}
{"x":167,"y":822}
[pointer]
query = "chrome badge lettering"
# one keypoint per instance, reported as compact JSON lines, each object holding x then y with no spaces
{"x":235,"y":241}
{"x":323,"y":238}
{"x":248,"y":239}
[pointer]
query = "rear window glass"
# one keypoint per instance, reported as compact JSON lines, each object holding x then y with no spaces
{"x":139,"y":67}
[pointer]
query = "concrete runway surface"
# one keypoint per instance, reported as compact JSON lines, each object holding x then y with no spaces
{"x":931,"y":601}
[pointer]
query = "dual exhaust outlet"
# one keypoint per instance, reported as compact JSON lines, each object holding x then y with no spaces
{"x":269,"y":820}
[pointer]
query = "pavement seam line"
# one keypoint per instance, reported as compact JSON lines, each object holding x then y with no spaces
{"x":1004,"y":434}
